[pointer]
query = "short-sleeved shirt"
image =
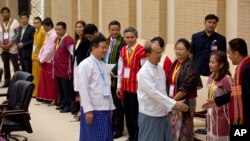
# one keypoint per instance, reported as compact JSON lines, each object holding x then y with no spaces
{"x":201,"y":48}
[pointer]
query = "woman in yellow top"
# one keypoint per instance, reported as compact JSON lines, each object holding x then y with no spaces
{"x":39,"y":38}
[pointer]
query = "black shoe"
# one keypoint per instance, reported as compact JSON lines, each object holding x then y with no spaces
{"x":117,"y":135}
{"x":201,"y":131}
{"x":66,"y":110}
{"x":61,"y":107}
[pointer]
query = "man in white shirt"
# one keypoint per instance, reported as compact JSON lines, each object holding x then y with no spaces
{"x":8,"y":50}
{"x":154,"y":104}
{"x":95,"y":93}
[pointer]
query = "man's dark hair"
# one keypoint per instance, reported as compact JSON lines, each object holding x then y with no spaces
{"x":239,"y":45}
{"x":48,"y":22}
{"x":95,"y":42}
{"x":211,"y":17}
{"x":115,"y":22}
{"x":38,"y":18}
{"x":5,"y":8}
{"x":25,"y":14}
{"x":90,"y":29}
{"x":159,"y":40}
{"x":148,"y":48}
{"x":63,"y":24}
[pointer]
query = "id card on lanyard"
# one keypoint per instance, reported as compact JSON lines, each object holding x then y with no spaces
{"x":105,"y":86}
{"x":129,"y":59}
{"x":126,"y":72}
{"x":106,"y":90}
{"x":6,"y":35}
{"x":172,"y":86}
{"x":6,"y":28}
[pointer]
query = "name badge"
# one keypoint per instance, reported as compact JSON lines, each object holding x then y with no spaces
{"x":5,"y":35}
{"x":171,"y":90}
{"x":213,"y":47}
{"x":209,"y":111}
{"x":106,"y":90}
{"x":34,"y":48}
{"x":126,"y":72}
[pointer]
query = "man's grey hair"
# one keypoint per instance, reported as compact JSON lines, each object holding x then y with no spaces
{"x":130,"y":29}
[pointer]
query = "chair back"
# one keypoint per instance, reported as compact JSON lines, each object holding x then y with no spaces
{"x":19,"y":99}
{"x":20,"y":95}
{"x":19,"y":75}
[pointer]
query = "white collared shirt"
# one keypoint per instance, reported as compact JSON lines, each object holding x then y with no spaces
{"x":151,"y":92}
{"x":91,"y":83}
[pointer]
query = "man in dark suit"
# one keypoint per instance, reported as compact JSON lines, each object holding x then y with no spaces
{"x":114,"y":44}
{"x":25,"y":42}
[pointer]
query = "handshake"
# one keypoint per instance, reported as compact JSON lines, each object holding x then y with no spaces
{"x":180,"y":105}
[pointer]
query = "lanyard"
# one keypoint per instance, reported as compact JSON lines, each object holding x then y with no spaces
{"x":59,"y":43}
{"x":112,"y":43}
{"x":211,"y":92}
{"x":176,"y":69}
{"x":100,"y":70}
{"x":129,"y":57}
{"x":6,"y":26}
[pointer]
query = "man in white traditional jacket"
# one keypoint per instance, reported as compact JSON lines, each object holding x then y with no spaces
{"x":154,"y":104}
{"x":95,"y":93}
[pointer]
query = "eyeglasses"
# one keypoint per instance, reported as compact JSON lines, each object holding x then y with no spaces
{"x":179,"y":49}
{"x":158,"y":53}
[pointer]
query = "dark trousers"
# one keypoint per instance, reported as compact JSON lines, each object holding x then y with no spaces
{"x":131,"y":110}
{"x":66,"y":91}
{"x":26,"y":64}
{"x":118,"y":113}
{"x":6,"y":58}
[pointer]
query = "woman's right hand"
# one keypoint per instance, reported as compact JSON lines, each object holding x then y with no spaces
{"x":209,"y":104}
